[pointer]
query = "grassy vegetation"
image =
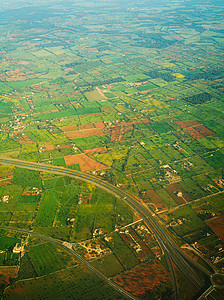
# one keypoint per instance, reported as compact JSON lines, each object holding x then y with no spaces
{"x":73,"y":282}
{"x":24,"y":178}
{"x":8,"y":242}
{"x":108,"y":265}
{"x":47,"y":209}
{"x":138,"y":90}
{"x":122,"y":252}
{"x":47,"y":258}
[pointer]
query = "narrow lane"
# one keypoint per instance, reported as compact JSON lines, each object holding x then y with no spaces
{"x":77,"y":256}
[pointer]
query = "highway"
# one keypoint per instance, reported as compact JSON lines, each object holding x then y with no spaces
{"x":172,"y":252}
{"x":77,"y":256}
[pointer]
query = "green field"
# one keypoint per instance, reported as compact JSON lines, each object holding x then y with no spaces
{"x":47,"y":209}
{"x":130,"y":93}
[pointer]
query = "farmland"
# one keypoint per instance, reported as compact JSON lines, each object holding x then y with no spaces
{"x":131,"y":93}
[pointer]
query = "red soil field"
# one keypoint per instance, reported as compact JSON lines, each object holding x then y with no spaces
{"x":63,"y":146}
{"x":69,"y":128}
{"x":93,"y":49}
{"x":204,"y":130}
{"x":6,"y":175}
{"x":174,"y":187}
{"x":217,"y":225}
{"x":193,"y":132}
{"x":23,"y":139}
{"x":6,"y":273}
{"x":143,"y":121}
{"x":96,"y":150}
{"x":74,"y":93}
{"x":143,"y":278}
{"x":177,"y":37}
{"x":54,"y":110}
{"x":129,"y":241}
{"x":145,"y":92}
{"x":26,"y":141}
{"x":85,"y":163}
{"x":99,"y":124}
{"x":86,"y":126}
{"x":85,"y":133}
{"x":49,"y":147}
{"x":119,"y":130}
{"x":153,"y":197}
{"x":5,"y":182}
{"x":185,"y":124}
{"x":190,"y":253}
{"x":96,"y":114}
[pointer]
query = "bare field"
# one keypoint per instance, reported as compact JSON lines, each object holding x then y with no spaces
{"x":217,"y":225}
{"x":85,"y":163}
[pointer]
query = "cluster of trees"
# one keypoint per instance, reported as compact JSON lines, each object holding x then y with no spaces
{"x":153,"y":40}
{"x":208,"y":74}
{"x":164,"y":75}
{"x":198,"y":99}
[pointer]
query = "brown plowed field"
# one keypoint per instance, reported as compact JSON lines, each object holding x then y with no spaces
{"x":85,"y":133}
{"x":177,"y":37}
{"x":204,"y":130}
{"x":185,"y":124}
{"x":69,"y":128}
{"x":174,"y":187}
{"x":193,"y":132}
{"x":63,"y":146}
{"x":84,"y":130}
{"x":217,"y":225}
{"x":99,"y":125}
{"x":6,"y":175}
{"x":94,"y":114}
{"x":143,"y":121}
{"x":6,"y":273}
{"x":49,"y":147}
{"x":96,"y":150}
{"x":54,"y":110}
{"x":143,"y":278}
{"x":129,"y":241}
{"x":118,"y":131}
{"x":5,"y":182}
{"x":86,"y":126}
{"x":23,"y":139}
{"x":152,"y":196}
{"x":145,"y":92}
{"x":85,"y":163}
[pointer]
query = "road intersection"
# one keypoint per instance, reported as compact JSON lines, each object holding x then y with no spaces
{"x":171,"y":251}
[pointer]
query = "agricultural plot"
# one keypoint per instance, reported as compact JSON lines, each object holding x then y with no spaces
{"x":47,"y":209}
{"x":85,"y":162}
{"x":122,"y":252}
{"x":216,"y":224}
{"x":47,"y":258}
{"x":66,"y":283}
{"x":184,"y":221}
{"x":154,"y":276}
{"x":133,"y":96}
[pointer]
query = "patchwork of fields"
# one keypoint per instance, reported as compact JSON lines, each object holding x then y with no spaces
{"x":131,"y":93}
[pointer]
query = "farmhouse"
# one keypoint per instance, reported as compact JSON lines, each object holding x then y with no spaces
{"x":5,"y":199}
{"x":17,"y":249}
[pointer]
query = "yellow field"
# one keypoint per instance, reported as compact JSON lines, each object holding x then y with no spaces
{"x":105,"y":158}
{"x":178,"y":75}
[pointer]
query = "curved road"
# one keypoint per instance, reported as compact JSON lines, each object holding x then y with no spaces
{"x":171,"y":250}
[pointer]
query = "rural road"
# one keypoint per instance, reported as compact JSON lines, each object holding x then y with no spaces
{"x":77,"y":256}
{"x":172,"y":252}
